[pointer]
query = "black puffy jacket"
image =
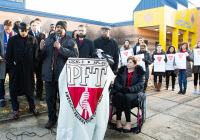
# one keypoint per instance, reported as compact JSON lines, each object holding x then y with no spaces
{"x":137,"y":82}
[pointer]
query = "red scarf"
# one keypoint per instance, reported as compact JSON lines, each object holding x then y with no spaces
{"x":129,"y":78}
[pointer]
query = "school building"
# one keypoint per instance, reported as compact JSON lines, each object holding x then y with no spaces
{"x":167,"y":22}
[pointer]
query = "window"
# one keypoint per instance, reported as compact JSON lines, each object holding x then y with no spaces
{"x":21,"y":1}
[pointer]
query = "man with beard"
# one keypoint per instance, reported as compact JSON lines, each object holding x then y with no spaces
{"x":38,"y":67}
{"x":20,"y":60}
{"x":85,"y":45}
{"x":17,"y":22}
{"x":108,"y":45}
{"x":54,"y":52}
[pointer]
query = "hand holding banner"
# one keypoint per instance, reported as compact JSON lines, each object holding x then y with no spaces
{"x":170,"y":62}
{"x":180,"y":60}
{"x":196,"y":57}
{"x":159,"y":63}
{"x":124,"y":56}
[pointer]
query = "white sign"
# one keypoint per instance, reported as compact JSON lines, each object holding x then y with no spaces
{"x":137,"y":49}
{"x":196,"y":57}
{"x":140,"y":62}
{"x":170,"y":62}
{"x":180,"y":60}
{"x":84,"y":99}
{"x":124,"y":56}
{"x":159,"y":63}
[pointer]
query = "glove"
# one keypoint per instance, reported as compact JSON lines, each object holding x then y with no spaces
{"x":186,"y":54}
{"x":124,"y":90}
{"x":143,"y":59}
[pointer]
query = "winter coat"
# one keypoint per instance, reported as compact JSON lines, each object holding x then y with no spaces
{"x":137,"y":83}
{"x":158,"y":73}
{"x":68,"y":49}
{"x":189,"y":59}
{"x":20,"y":60}
{"x":3,"y":64}
{"x":15,"y":29}
{"x":148,"y":62}
{"x":195,"y":69}
{"x":86,"y":48}
{"x":109,"y":47}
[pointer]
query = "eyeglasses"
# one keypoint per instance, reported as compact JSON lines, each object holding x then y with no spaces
{"x":23,"y":30}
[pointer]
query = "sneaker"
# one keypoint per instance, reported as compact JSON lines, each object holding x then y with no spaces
{"x":166,"y":88}
{"x":16,"y":115}
{"x":195,"y":91}
{"x":35,"y":112}
{"x":173,"y":89}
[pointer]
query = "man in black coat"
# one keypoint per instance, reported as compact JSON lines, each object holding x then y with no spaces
{"x":38,"y":68}
{"x":109,"y":46}
{"x":20,"y":59}
{"x":85,"y":45}
{"x":54,"y":52}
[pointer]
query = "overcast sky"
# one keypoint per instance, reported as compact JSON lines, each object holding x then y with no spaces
{"x":101,"y":10}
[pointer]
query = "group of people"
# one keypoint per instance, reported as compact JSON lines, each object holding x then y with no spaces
{"x":25,"y":50}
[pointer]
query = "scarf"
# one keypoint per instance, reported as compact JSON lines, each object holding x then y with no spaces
{"x":6,"y":41}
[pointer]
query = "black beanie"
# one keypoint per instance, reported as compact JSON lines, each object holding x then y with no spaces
{"x":63,"y":24}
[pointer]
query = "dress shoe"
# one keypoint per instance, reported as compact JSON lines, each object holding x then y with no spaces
{"x":16,"y":115}
{"x":126,"y":131}
{"x":119,"y":129}
{"x":35,"y":112}
{"x":49,"y":125}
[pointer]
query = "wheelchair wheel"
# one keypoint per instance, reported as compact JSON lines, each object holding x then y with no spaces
{"x":144,"y":111}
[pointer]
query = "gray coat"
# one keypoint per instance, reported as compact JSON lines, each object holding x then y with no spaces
{"x":68,"y":49}
{"x":189,"y":59}
{"x":3,"y":64}
{"x":196,"y":69}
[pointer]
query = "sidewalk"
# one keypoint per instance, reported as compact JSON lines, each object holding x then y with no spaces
{"x":169,"y":116}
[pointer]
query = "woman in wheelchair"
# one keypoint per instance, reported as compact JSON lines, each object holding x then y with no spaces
{"x":128,"y":83}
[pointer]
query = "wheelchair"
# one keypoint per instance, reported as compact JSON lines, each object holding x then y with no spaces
{"x":139,"y":103}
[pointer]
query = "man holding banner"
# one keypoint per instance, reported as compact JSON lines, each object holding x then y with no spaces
{"x":183,"y":58}
{"x":54,"y":52}
{"x":147,"y":60}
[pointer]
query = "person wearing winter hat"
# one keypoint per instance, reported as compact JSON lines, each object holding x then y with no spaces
{"x":17,"y":22}
{"x":54,"y":52}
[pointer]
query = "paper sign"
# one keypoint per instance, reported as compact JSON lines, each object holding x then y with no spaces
{"x":140,"y":62}
{"x":159,"y":63}
{"x":180,"y":60}
{"x":196,"y":57}
{"x":124,"y":56}
{"x":170,"y":62}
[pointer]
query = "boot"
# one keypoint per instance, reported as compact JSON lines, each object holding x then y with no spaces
{"x":180,"y":92}
{"x":155,"y":86}
{"x":159,"y":86}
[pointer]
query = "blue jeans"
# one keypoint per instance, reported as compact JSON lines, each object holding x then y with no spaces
{"x":182,"y":79}
{"x":15,"y":103}
{"x":2,"y":89}
{"x":160,"y":78}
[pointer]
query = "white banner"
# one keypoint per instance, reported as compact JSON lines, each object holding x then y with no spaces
{"x":170,"y":62}
{"x":180,"y":60}
{"x":125,"y":55}
{"x":140,"y":62}
{"x":196,"y":57}
{"x":159,"y":63}
{"x":84,"y":99}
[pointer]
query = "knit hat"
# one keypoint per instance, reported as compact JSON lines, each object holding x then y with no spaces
{"x":18,"y":19}
{"x":63,"y":24}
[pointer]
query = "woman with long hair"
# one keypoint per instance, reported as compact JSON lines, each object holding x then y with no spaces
{"x":171,"y":50}
{"x":136,"y":48}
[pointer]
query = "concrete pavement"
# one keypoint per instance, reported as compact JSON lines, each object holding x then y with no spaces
{"x":169,"y":116}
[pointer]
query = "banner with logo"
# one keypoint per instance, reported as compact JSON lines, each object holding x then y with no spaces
{"x":84,"y":99}
{"x":159,"y":63}
{"x":180,"y":60}
{"x":170,"y":62}
{"x":124,"y":56}
{"x":196,"y":57}
{"x":140,"y":62}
